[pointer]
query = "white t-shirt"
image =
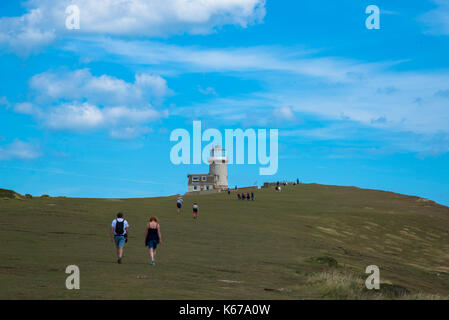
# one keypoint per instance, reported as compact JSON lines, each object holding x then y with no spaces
{"x":125,"y":225}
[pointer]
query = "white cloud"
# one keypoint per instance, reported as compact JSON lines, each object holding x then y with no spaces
{"x":129,"y":132}
{"x":207,"y":91}
{"x":85,"y":117}
{"x":438,"y":18}
{"x":19,"y":150}
{"x":26,"y":34}
{"x":284,"y":112}
{"x":45,"y":19}
{"x":78,"y":101}
{"x":105,"y":89}
{"x":74,"y":117}
{"x":4,"y":102}
{"x":288,"y":60}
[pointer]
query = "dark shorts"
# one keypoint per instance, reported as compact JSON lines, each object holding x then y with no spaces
{"x":152,"y":244}
{"x":178,"y":205}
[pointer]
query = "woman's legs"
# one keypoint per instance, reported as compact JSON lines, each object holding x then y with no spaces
{"x":152,"y":254}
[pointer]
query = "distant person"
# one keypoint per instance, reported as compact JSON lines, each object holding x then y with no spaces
{"x":195,"y":210}
{"x":244,"y":196}
{"x":297,"y":181}
{"x":239,"y":196}
{"x":119,"y":232}
{"x":153,"y":237}
{"x":247,"y":196}
{"x":252,"y":196}
{"x":179,"y":204}
{"x":229,"y":191}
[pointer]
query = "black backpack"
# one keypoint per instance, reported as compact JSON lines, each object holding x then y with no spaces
{"x":119,"y":227}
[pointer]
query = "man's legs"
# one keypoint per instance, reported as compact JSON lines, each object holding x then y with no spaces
{"x":119,"y":242}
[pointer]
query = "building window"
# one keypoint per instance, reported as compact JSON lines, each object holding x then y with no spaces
{"x":195,"y":179}
{"x":203,"y":178}
{"x":207,"y":188}
{"x":195,"y":188}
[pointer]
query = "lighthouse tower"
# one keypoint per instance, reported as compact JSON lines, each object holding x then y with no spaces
{"x":218,"y":167}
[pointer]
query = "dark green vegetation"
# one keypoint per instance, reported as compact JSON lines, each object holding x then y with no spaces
{"x":309,"y":241}
{"x":9,"y":194}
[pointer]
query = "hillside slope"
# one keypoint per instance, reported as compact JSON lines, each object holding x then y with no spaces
{"x":307,"y":242}
{"x":9,"y":194}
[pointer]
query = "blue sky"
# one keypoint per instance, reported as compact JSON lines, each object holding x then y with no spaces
{"x":89,"y":112}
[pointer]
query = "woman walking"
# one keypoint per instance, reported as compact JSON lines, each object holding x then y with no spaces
{"x":153,"y":237}
{"x":195,"y":210}
{"x":179,"y":204}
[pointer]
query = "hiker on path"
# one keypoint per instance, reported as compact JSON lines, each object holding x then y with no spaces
{"x":119,"y":232}
{"x":252,"y":196}
{"x":179,"y":204}
{"x":153,"y":237}
{"x":195,"y":210}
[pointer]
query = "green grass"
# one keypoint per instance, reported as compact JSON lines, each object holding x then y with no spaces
{"x":307,"y":242}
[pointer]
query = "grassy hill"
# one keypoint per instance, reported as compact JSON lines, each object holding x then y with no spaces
{"x":307,"y":242}
{"x":9,"y":194}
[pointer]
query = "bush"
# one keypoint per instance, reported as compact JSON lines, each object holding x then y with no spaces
{"x":331,"y":262}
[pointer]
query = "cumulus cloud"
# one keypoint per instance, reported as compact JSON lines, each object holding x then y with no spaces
{"x":26,"y":34}
{"x":104,"y":89}
{"x":45,"y":19}
{"x":78,"y":101}
{"x":19,"y":150}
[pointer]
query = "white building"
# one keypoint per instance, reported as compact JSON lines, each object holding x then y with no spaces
{"x":217,"y":178}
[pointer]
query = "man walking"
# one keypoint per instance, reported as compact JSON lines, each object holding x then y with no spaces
{"x":119,"y":229}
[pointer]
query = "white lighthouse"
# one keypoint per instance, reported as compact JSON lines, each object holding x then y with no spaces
{"x":216,"y":179}
{"x":218,"y":167}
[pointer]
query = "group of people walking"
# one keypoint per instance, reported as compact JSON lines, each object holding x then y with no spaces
{"x":245,"y":196}
{"x":119,"y":235}
{"x":119,"y":232}
{"x":179,"y":203}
